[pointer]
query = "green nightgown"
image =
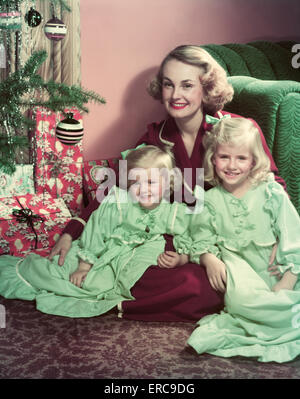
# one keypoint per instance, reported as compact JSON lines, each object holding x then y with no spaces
{"x":256,"y":322}
{"x":121,"y":240}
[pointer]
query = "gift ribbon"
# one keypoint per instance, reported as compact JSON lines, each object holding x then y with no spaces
{"x":25,"y":215}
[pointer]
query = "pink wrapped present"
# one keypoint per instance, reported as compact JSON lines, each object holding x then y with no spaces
{"x":31,"y":222}
{"x":58,"y":167}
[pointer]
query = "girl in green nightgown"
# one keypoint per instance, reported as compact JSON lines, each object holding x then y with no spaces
{"x":123,"y":237}
{"x":244,"y":215}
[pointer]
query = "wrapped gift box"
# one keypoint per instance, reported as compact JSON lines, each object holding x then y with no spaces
{"x":19,"y":183}
{"x":58,"y":167}
{"x":48,"y":218}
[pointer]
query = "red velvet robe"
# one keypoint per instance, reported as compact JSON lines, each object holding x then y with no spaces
{"x":182,"y":293}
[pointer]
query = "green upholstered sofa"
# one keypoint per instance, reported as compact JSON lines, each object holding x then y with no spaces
{"x":267,"y":89}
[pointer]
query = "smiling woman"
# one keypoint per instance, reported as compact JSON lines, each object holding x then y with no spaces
{"x":183,"y":99}
{"x":182,"y":95}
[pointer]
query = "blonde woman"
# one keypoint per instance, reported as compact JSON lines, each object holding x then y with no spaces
{"x":193,"y":89}
{"x":244,"y":215}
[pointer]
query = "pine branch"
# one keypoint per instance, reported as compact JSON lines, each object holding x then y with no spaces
{"x":25,"y":82}
{"x":25,"y":89}
{"x":9,"y":5}
{"x":63,"y":4}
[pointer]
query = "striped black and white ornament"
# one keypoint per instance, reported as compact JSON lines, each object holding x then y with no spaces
{"x":10,"y":20}
{"x":69,"y":131}
{"x":55,"y":29}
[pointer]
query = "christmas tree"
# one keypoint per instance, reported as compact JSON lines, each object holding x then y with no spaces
{"x":25,"y":89}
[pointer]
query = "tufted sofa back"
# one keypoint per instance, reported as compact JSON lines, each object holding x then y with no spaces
{"x":261,"y":59}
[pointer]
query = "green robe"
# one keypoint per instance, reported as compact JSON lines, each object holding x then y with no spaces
{"x":121,"y":240}
{"x":256,"y":322}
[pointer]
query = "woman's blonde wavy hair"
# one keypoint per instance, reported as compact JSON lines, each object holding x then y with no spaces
{"x":235,"y":131}
{"x":217,"y":90}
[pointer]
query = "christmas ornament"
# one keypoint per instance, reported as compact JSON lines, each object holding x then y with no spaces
{"x":55,"y":29}
{"x":69,"y":131}
{"x":33,"y":18}
{"x":10,"y":20}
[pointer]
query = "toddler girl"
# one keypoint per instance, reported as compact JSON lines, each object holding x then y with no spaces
{"x":123,"y":237}
{"x":244,"y":215}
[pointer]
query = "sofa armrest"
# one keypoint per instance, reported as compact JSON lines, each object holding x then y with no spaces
{"x":275,"y":106}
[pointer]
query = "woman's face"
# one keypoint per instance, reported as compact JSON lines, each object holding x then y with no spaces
{"x":182,"y":92}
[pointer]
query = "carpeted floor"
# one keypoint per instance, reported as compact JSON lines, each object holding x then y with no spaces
{"x":34,"y":345}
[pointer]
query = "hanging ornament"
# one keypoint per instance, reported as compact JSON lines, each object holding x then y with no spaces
{"x":33,"y":18}
{"x":69,"y":131}
{"x":10,"y":20}
{"x":55,"y":29}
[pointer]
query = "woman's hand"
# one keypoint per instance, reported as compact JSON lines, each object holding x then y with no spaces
{"x":170,"y":259}
{"x":216,"y":271}
{"x":61,"y":248}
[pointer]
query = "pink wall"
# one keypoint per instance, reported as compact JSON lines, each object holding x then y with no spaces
{"x":123,"y":43}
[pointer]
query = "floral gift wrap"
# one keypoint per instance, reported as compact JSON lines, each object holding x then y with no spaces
{"x":32,"y":222}
{"x":58,"y":167}
{"x":18,"y":183}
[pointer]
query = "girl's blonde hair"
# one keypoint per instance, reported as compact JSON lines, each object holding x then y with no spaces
{"x":217,"y":90}
{"x":151,"y":156}
{"x":235,"y":131}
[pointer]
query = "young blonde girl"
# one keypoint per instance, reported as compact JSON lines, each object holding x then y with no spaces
{"x":244,"y":215}
{"x":123,"y":237}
